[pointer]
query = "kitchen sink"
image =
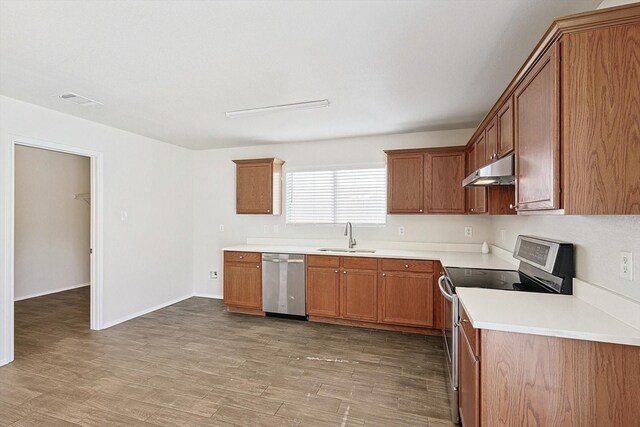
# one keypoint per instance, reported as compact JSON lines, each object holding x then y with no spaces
{"x":348,"y":251}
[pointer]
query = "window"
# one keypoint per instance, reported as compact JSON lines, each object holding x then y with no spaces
{"x":337,"y":196}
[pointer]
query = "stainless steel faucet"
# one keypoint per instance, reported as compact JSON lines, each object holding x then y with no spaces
{"x":348,"y":230}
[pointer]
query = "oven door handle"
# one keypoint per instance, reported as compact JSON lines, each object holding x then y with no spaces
{"x":444,"y":293}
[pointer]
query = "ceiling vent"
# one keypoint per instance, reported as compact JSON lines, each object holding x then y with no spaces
{"x":78,"y":99}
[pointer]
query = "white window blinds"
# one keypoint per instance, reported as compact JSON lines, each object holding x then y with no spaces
{"x":337,"y":196}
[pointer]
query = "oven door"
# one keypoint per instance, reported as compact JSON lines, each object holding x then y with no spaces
{"x":450,"y":333}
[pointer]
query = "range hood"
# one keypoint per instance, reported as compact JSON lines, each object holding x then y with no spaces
{"x":500,"y":172}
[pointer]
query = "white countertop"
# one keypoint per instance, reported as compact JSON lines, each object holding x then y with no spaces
{"x":564,"y":316}
{"x":447,"y":258}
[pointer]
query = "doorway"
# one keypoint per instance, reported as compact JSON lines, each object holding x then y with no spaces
{"x":93,"y":200}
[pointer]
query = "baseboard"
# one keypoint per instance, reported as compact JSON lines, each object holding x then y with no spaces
{"x":107,"y":325}
{"x":55,"y":291}
{"x":203,"y":295}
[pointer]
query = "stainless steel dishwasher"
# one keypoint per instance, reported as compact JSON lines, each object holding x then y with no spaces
{"x":284,"y":284}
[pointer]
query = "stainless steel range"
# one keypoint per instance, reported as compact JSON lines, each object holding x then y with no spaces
{"x":546,"y":266}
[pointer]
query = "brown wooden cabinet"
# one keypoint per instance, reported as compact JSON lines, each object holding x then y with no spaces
{"x":405,"y":183}
{"x":397,"y":294}
{"x":259,"y":186}
{"x":601,"y":119}
{"x":360,"y":294}
{"x":407,"y":298}
{"x":469,"y":383}
{"x":536,"y":103}
{"x":505,"y":128}
{"x":323,"y":285}
{"x":444,"y":172}
{"x":243,"y":281}
{"x":477,"y":195}
{"x":436,"y":188}
{"x":570,"y":113}
{"x":491,"y":141}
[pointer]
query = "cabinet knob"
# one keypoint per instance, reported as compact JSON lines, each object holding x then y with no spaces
{"x":336,"y":271}
{"x":420,"y":210}
{"x":384,"y":274}
{"x":258,"y":266}
{"x":344,"y":272}
{"x":268,"y":210}
{"x":406,"y":266}
{"x":241,"y":257}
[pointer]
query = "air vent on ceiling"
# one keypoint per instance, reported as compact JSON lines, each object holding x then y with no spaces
{"x":78,"y":99}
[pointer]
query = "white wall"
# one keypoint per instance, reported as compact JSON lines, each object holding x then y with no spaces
{"x":612,"y":3}
{"x":598,"y":240}
{"x":52,"y":229}
{"x":147,"y":259}
{"x":214,"y":201}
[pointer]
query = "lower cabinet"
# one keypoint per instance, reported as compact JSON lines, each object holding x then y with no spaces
{"x":469,"y":382}
{"x":398,"y":294}
{"x":407,"y":298}
{"x":360,"y":295}
{"x":242,"y":281}
{"x":323,"y":291}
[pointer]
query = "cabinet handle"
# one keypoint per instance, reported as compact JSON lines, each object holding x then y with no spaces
{"x":258,"y":266}
{"x":344,"y":272}
{"x":420,"y":210}
{"x":336,"y":271}
{"x":384,"y":274}
{"x":406,"y":266}
{"x":268,"y":210}
{"x":241,"y":257}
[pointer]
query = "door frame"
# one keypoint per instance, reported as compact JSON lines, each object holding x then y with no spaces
{"x":96,"y":240}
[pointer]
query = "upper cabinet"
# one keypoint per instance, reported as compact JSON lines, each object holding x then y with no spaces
{"x":491,"y":141}
{"x":504,"y":119}
{"x":538,"y":155}
{"x":571,"y":114}
{"x":601,"y":119}
{"x":259,"y":186}
{"x":405,"y":173}
{"x":444,"y":172}
{"x":426,"y":181}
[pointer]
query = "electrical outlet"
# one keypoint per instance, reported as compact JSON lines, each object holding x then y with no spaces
{"x":468,"y":232}
{"x":221,"y":227}
{"x":400,"y":231}
{"x":503,"y":235}
{"x":276,"y":229}
{"x":626,"y":265}
{"x":266,"y":229}
{"x":213,"y":275}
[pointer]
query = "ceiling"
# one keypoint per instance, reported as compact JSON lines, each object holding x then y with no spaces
{"x":170,"y":69}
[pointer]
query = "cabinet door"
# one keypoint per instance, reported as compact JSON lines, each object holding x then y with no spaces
{"x":444,"y":174}
{"x":537,"y":141}
{"x":406,"y":183}
{"x":323,"y":292}
{"x":491,"y":138}
{"x":505,"y":128}
{"x":243,"y":284}
{"x":471,"y":167}
{"x":480,"y":198}
{"x":469,"y":383}
{"x":407,"y":298}
{"x":254,"y":186}
{"x":360,"y":295}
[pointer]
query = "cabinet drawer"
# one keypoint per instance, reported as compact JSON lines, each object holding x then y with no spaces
{"x":357,"y":263}
{"x":242,"y":257}
{"x":411,"y":265}
{"x":323,"y":261}
{"x":469,"y":331}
